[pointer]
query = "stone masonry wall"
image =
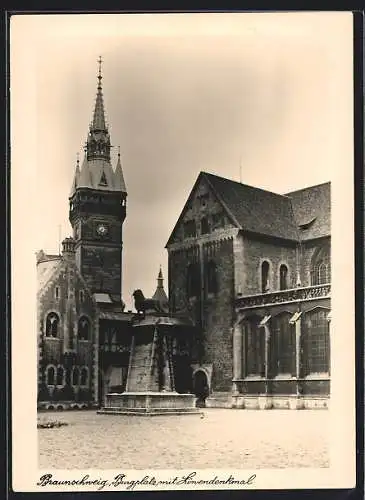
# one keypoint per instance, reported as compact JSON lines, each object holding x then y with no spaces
{"x":256,"y":250}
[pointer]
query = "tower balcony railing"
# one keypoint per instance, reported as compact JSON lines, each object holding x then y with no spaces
{"x":284,"y":296}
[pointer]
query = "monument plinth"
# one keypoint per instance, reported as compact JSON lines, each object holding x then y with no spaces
{"x":150,"y":388}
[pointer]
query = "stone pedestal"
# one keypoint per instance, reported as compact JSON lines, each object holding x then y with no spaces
{"x":150,"y":388}
{"x":149,"y":404}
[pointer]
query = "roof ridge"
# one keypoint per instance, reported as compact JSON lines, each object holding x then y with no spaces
{"x":308,"y":187}
{"x":243,"y":184}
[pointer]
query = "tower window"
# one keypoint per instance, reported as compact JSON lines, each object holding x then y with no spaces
{"x":57,"y":292}
{"x":265,"y":268}
{"x":283,"y":277}
{"x":204,"y":223}
{"x":81,"y":296}
{"x":83,"y":329}
{"x":52,"y":324}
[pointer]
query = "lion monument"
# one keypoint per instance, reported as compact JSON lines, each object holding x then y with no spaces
{"x":142,"y":304}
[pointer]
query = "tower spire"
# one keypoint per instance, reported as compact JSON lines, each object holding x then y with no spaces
{"x":98,"y":141}
{"x":98,"y":122}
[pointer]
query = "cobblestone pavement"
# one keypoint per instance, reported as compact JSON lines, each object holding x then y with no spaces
{"x":222,"y":439}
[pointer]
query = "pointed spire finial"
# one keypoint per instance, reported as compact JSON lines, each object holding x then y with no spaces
{"x":78,"y":158}
{"x":100,"y":75}
{"x":118,"y":151}
{"x":160,"y":278}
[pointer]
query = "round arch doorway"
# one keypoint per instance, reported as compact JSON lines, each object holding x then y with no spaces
{"x":200,"y":387}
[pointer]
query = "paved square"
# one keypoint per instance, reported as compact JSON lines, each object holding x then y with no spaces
{"x":231,"y":439}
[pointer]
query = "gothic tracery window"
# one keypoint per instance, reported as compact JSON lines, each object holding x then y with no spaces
{"x":316,"y":341}
{"x":282,"y":344}
{"x":321,"y":266}
{"x":84,"y":328}
{"x":254,"y":347}
{"x":52,"y":324}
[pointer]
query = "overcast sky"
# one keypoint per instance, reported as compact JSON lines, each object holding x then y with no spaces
{"x":182,"y":93}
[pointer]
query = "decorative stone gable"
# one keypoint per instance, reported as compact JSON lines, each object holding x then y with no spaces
{"x":204,"y":216}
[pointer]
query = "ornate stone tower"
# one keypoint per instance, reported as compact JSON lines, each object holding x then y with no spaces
{"x":98,"y":208}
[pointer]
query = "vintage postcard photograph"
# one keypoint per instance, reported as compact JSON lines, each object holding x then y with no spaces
{"x":182,"y":251}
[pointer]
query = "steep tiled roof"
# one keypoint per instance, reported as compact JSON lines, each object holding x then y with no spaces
{"x":301,"y":215}
{"x":254,"y":209}
{"x":312,"y":211}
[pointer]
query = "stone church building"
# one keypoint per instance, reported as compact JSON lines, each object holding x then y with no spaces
{"x":248,"y":269}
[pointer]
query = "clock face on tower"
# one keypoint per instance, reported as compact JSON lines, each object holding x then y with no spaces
{"x":102,"y":230}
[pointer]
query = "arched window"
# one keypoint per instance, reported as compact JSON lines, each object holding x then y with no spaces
{"x":254,"y":347}
{"x":265,"y":268}
{"x":81,"y":296}
{"x":60,"y":375}
{"x":321,"y":266}
{"x":83,"y":328}
{"x":282,"y":345}
{"x":50,"y":375}
{"x":57,"y":292}
{"x":204,"y":224}
{"x":193,"y":280}
{"x":316,"y":341}
{"x":52,"y":323}
{"x":84,"y":376}
{"x":283,"y":277}
{"x":75,"y":376}
{"x":211,"y":277}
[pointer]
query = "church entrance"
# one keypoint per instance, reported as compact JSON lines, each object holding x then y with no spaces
{"x":200,"y":387}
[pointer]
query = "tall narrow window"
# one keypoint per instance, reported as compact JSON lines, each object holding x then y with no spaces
{"x":265,"y":267}
{"x":204,"y":224}
{"x":75,"y":376}
{"x":57,"y":292}
{"x":316,"y":342}
{"x":84,"y":376}
{"x":51,"y":375}
{"x":321,"y":266}
{"x":282,"y":345}
{"x":283,"y":277}
{"x":211,"y":277}
{"x":84,"y":329}
{"x":254,"y":338}
{"x":52,"y":323}
{"x":60,"y":375}
{"x":193,"y":280}
{"x":81,"y":295}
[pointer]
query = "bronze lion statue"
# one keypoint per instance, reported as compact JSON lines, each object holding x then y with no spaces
{"x":142,"y":304}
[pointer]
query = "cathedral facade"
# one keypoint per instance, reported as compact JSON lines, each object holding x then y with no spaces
{"x":248,"y":268}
